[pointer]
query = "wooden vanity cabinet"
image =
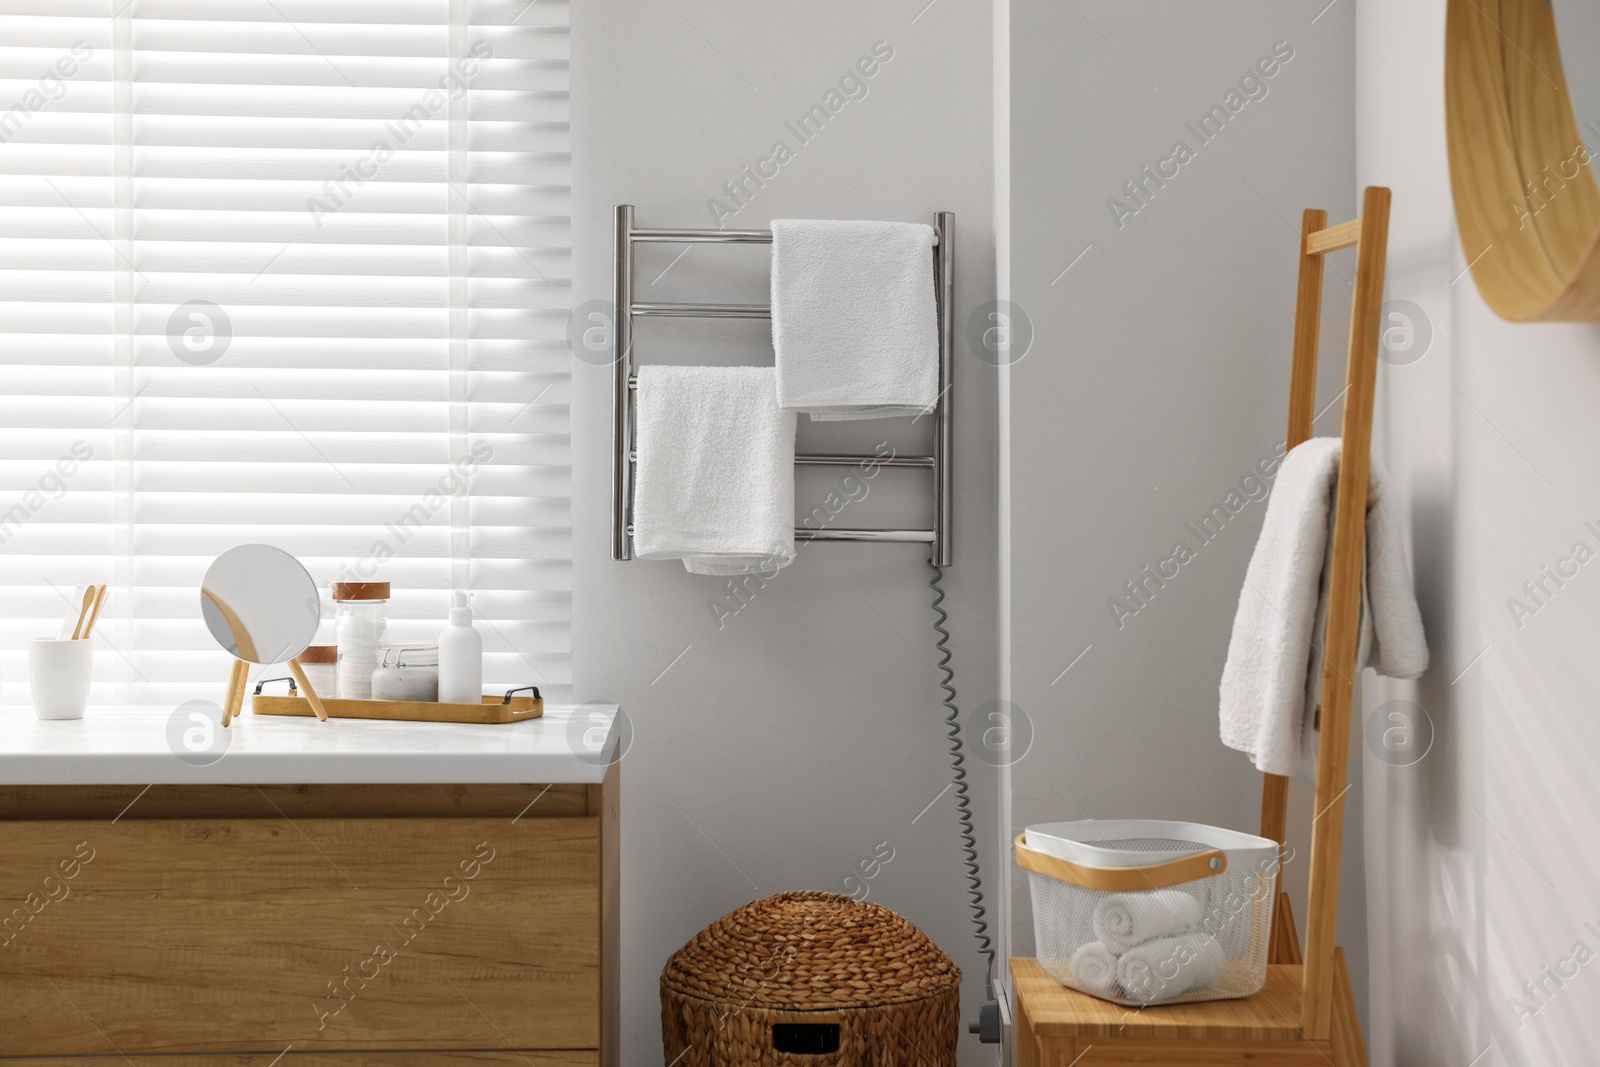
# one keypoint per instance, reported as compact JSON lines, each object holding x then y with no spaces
{"x":329,"y":925}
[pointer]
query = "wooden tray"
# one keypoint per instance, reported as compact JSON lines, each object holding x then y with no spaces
{"x":492,"y":710}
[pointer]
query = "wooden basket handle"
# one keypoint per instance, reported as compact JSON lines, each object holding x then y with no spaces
{"x":1122,"y":879}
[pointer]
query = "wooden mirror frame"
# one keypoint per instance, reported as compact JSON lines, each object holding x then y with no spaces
{"x":1527,"y":207}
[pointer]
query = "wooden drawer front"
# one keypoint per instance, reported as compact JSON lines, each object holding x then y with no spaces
{"x":335,"y":1059}
{"x":257,"y":934}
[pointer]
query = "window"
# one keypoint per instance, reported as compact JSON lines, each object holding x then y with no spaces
{"x":290,"y":271}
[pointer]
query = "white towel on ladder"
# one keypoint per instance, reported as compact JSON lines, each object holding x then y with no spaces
{"x":1272,"y":679}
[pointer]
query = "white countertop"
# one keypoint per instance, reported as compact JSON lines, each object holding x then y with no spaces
{"x":145,"y":745}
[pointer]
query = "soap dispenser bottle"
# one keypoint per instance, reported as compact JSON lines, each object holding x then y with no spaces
{"x":460,"y":657}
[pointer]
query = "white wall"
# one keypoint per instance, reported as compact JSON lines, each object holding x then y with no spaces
{"x":1483,"y":870}
{"x":1157,"y":378}
{"x":781,"y":748}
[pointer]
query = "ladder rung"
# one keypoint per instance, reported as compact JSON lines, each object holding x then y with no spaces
{"x":1344,"y":235}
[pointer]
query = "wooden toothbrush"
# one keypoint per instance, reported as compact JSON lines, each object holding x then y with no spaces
{"x":83,"y":612}
{"x":100,"y":592}
{"x":74,"y":613}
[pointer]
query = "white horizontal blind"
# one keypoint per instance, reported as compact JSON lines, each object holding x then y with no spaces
{"x":290,"y":271}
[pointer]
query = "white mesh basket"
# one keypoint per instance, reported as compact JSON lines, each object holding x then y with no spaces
{"x":1141,"y":912}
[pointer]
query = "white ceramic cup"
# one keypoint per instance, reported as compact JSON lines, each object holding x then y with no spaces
{"x":58,"y":672}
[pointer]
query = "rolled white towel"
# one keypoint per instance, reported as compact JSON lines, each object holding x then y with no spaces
{"x":1123,"y":920}
{"x":1169,"y":967}
{"x":1094,"y":969}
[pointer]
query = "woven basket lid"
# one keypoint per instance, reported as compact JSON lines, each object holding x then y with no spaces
{"x":810,"y":952}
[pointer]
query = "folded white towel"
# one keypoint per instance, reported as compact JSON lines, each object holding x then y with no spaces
{"x":715,"y":483}
{"x":854,"y":322}
{"x":1271,"y":680}
{"x":1094,"y":969}
{"x":1123,"y":920}
{"x":1169,"y":967}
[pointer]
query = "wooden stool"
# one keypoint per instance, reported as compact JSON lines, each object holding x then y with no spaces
{"x":1057,"y":1026}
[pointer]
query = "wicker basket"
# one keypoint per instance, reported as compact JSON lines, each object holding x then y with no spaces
{"x":810,"y":978}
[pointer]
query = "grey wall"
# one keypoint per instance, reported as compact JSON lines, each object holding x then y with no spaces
{"x":1157,"y":377}
{"x":1482,"y":870}
{"x":777,"y":751}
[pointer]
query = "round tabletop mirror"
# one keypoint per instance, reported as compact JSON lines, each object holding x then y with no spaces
{"x":260,"y":603}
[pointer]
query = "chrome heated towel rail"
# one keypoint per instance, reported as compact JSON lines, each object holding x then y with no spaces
{"x":937,"y":461}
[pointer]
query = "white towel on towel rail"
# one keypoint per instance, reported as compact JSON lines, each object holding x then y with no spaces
{"x":715,"y":483}
{"x":1272,"y":679}
{"x":855,"y":325}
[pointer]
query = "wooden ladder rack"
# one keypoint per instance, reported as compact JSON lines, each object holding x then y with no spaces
{"x":1306,"y":1012}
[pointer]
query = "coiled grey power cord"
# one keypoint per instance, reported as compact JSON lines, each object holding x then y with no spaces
{"x":987,"y":1025}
